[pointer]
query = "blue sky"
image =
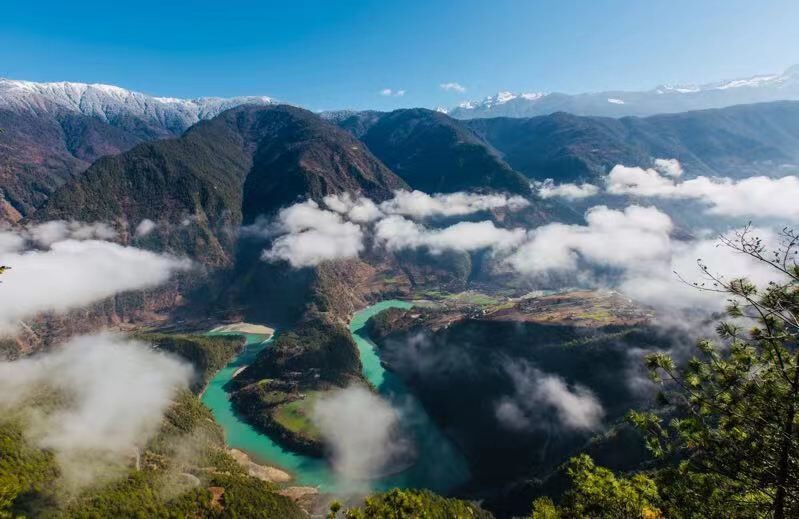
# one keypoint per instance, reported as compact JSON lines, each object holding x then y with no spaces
{"x":342,"y":54}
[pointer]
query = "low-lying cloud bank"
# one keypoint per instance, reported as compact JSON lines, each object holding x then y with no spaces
{"x":306,"y":234}
{"x":115,"y":392}
{"x":363,"y":433}
{"x":418,"y":205}
{"x":58,"y":266}
{"x":548,"y":189}
{"x":541,"y":399}
{"x":763,"y":197}
{"x":760,"y":196}
{"x":397,"y":233}
{"x":45,"y":234}
{"x":631,"y":249}
{"x":610,"y":238}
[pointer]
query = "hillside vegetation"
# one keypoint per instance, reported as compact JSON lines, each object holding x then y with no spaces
{"x":168,"y":483}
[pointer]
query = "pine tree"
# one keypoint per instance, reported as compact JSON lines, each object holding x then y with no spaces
{"x":735,"y":433}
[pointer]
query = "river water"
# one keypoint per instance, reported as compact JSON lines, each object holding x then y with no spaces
{"x":439,"y":466}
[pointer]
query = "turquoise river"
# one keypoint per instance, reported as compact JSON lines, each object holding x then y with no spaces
{"x":439,"y":465}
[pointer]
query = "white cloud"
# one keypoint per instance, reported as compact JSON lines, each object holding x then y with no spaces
{"x":418,"y":204}
{"x":145,"y":227}
{"x":70,"y":273}
{"x":11,"y":242}
{"x":453,"y":87}
{"x":761,"y":197}
{"x":117,"y":391}
{"x":47,"y":233}
{"x":628,"y":241}
{"x":548,"y":189}
{"x":669,"y":167}
{"x":397,"y":233}
{"x":754,"y":196}
{"x":362,"y":431}
{"x":313,"y":235}
{"x":539,"y":396}
{"x":306,"y":235}
{"x":611,"y":238}
{"x":306,"y":215}
{"x":656,"y":284}
{"x":633,"y":251}
{"x":624,"y":180}
{"x":313,"y":246}
{"x":390,"y":92}
{"x":360,"y":210}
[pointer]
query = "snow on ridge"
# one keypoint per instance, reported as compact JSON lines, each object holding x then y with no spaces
{"x":532,"y":96}
{"x":753,"y":82}
{"x":500,"y":98}
{"x":750,"y":82}
{"x":679,"y":97}
{"x":108,"y":101}
{"x":504,"y":97}
{"x":680,"y":89}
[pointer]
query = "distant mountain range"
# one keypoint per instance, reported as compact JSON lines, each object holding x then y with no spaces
{"x":428,"y":150}
{"x":251,"y":161}
{"x":111,"y":104}
{"x":617,"y":103}
{"x":53,"y":131}
{"x":737,"y":141}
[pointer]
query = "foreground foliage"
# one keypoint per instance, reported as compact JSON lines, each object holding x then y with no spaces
{"x":727,"y":429}
{"x":411,"y":504}
{"x":184,"y":471}
{"x":597,"y":493}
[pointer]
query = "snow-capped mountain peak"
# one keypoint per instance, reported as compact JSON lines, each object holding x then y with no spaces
{"x":532,"y":96}
{"x":764,"y":80}
{"x":662,"y":99}
{"x":500,"y":98}
{"x":755,"y":81}
{"x":108,"y":102}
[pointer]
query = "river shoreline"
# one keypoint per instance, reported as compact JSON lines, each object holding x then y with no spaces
{"x":440,"y":466}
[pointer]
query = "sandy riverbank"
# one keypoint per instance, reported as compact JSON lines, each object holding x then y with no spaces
{"x":264,"y":472}
{"x":244,"y":328}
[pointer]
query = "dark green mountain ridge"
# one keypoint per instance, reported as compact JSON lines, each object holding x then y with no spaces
{"x":738,"y":141}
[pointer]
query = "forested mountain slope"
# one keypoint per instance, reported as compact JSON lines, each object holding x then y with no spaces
{"x":738,"y":141}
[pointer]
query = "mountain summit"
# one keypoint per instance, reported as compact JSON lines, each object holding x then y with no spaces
{"x":617,"y":103}
{"x":109,"y":103}
{"x":54,"y":131}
